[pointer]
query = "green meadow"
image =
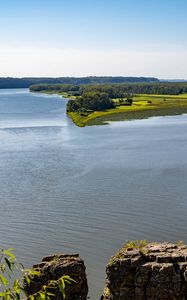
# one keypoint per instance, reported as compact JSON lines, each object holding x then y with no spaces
{"x":144,"y":106}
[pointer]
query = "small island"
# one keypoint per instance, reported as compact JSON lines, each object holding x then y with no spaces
{"x":98,"y":104}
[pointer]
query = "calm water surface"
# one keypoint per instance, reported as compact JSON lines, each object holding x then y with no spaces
{"x":87,"y":190}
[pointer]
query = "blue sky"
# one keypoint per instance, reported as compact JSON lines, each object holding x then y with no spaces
{"x":79,"y":37}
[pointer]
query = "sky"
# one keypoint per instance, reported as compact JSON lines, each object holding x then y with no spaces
{"x":93,"y":38}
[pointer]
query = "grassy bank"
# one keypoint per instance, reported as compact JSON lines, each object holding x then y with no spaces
{"x":144,"y":106}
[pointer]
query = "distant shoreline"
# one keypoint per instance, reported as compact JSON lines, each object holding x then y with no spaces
{"x":26,"y":82}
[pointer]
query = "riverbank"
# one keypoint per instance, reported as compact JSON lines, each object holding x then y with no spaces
{"x":143,"y":106}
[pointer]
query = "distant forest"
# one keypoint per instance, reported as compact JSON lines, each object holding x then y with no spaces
{"x":115,"y":90}
{"x":10,"y":82}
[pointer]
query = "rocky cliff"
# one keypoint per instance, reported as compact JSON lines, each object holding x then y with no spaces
{"x":56,"y":266}
{"x":141,"y":271}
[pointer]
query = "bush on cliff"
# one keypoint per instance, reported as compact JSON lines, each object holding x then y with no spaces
{"x":11,"y":288}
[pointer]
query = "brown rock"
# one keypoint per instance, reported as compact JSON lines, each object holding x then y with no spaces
{"x":156,"y":271}
{"x":56,"y":266}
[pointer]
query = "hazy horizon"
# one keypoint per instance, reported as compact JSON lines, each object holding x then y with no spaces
{"x":161,"y":79}
{"x":82,"y":38}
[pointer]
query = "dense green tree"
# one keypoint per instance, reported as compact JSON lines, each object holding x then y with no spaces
{"x":90,"y":101}
{"x":123,"y":90}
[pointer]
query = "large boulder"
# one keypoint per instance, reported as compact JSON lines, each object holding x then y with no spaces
{"x":141,"y":271}
{"x":53,"y":268}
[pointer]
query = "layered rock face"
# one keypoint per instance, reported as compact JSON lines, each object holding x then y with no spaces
{"x":147,"y":272}
{"x":54,"y":267}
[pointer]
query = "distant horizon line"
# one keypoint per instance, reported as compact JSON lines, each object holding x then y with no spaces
{"x":98,"y":76}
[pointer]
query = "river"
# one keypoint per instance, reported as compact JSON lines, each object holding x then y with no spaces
{"x":87,"y":190}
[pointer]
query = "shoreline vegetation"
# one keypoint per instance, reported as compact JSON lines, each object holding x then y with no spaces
{"x":99,"y":104}
{"x":26,"y":82}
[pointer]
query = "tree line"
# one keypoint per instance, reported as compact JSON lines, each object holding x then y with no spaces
{"x":96,"y":97}
{"x":25,"y":82}
{"x":116,"y":90}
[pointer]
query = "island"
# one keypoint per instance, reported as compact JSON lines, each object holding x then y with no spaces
{"x":98,"y":104}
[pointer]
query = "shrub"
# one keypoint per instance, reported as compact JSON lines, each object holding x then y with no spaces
{"x":12,"y":288}
{"x":128,"y":101}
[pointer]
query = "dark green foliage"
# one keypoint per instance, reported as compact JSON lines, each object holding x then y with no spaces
{"x":90,"y":101}
{"x":55,"y":87}
{"x":9,"y":82}
{"x":122,"y":90}
{"x":128,"y":101}
{"x":11,"y":288}
{"x":136,"y":85}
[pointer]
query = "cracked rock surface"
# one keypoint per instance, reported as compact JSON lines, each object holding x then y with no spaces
{"x":56,"y":266}
{"x":151,"y":272}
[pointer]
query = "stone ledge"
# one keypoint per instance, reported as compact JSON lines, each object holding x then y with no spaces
{"x":147,"y":271}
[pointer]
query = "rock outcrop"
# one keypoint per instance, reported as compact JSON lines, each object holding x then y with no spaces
{"x":141,"y":271}
{"x":54,"y":267}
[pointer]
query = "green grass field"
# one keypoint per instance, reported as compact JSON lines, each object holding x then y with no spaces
{"x":144,"y":106}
